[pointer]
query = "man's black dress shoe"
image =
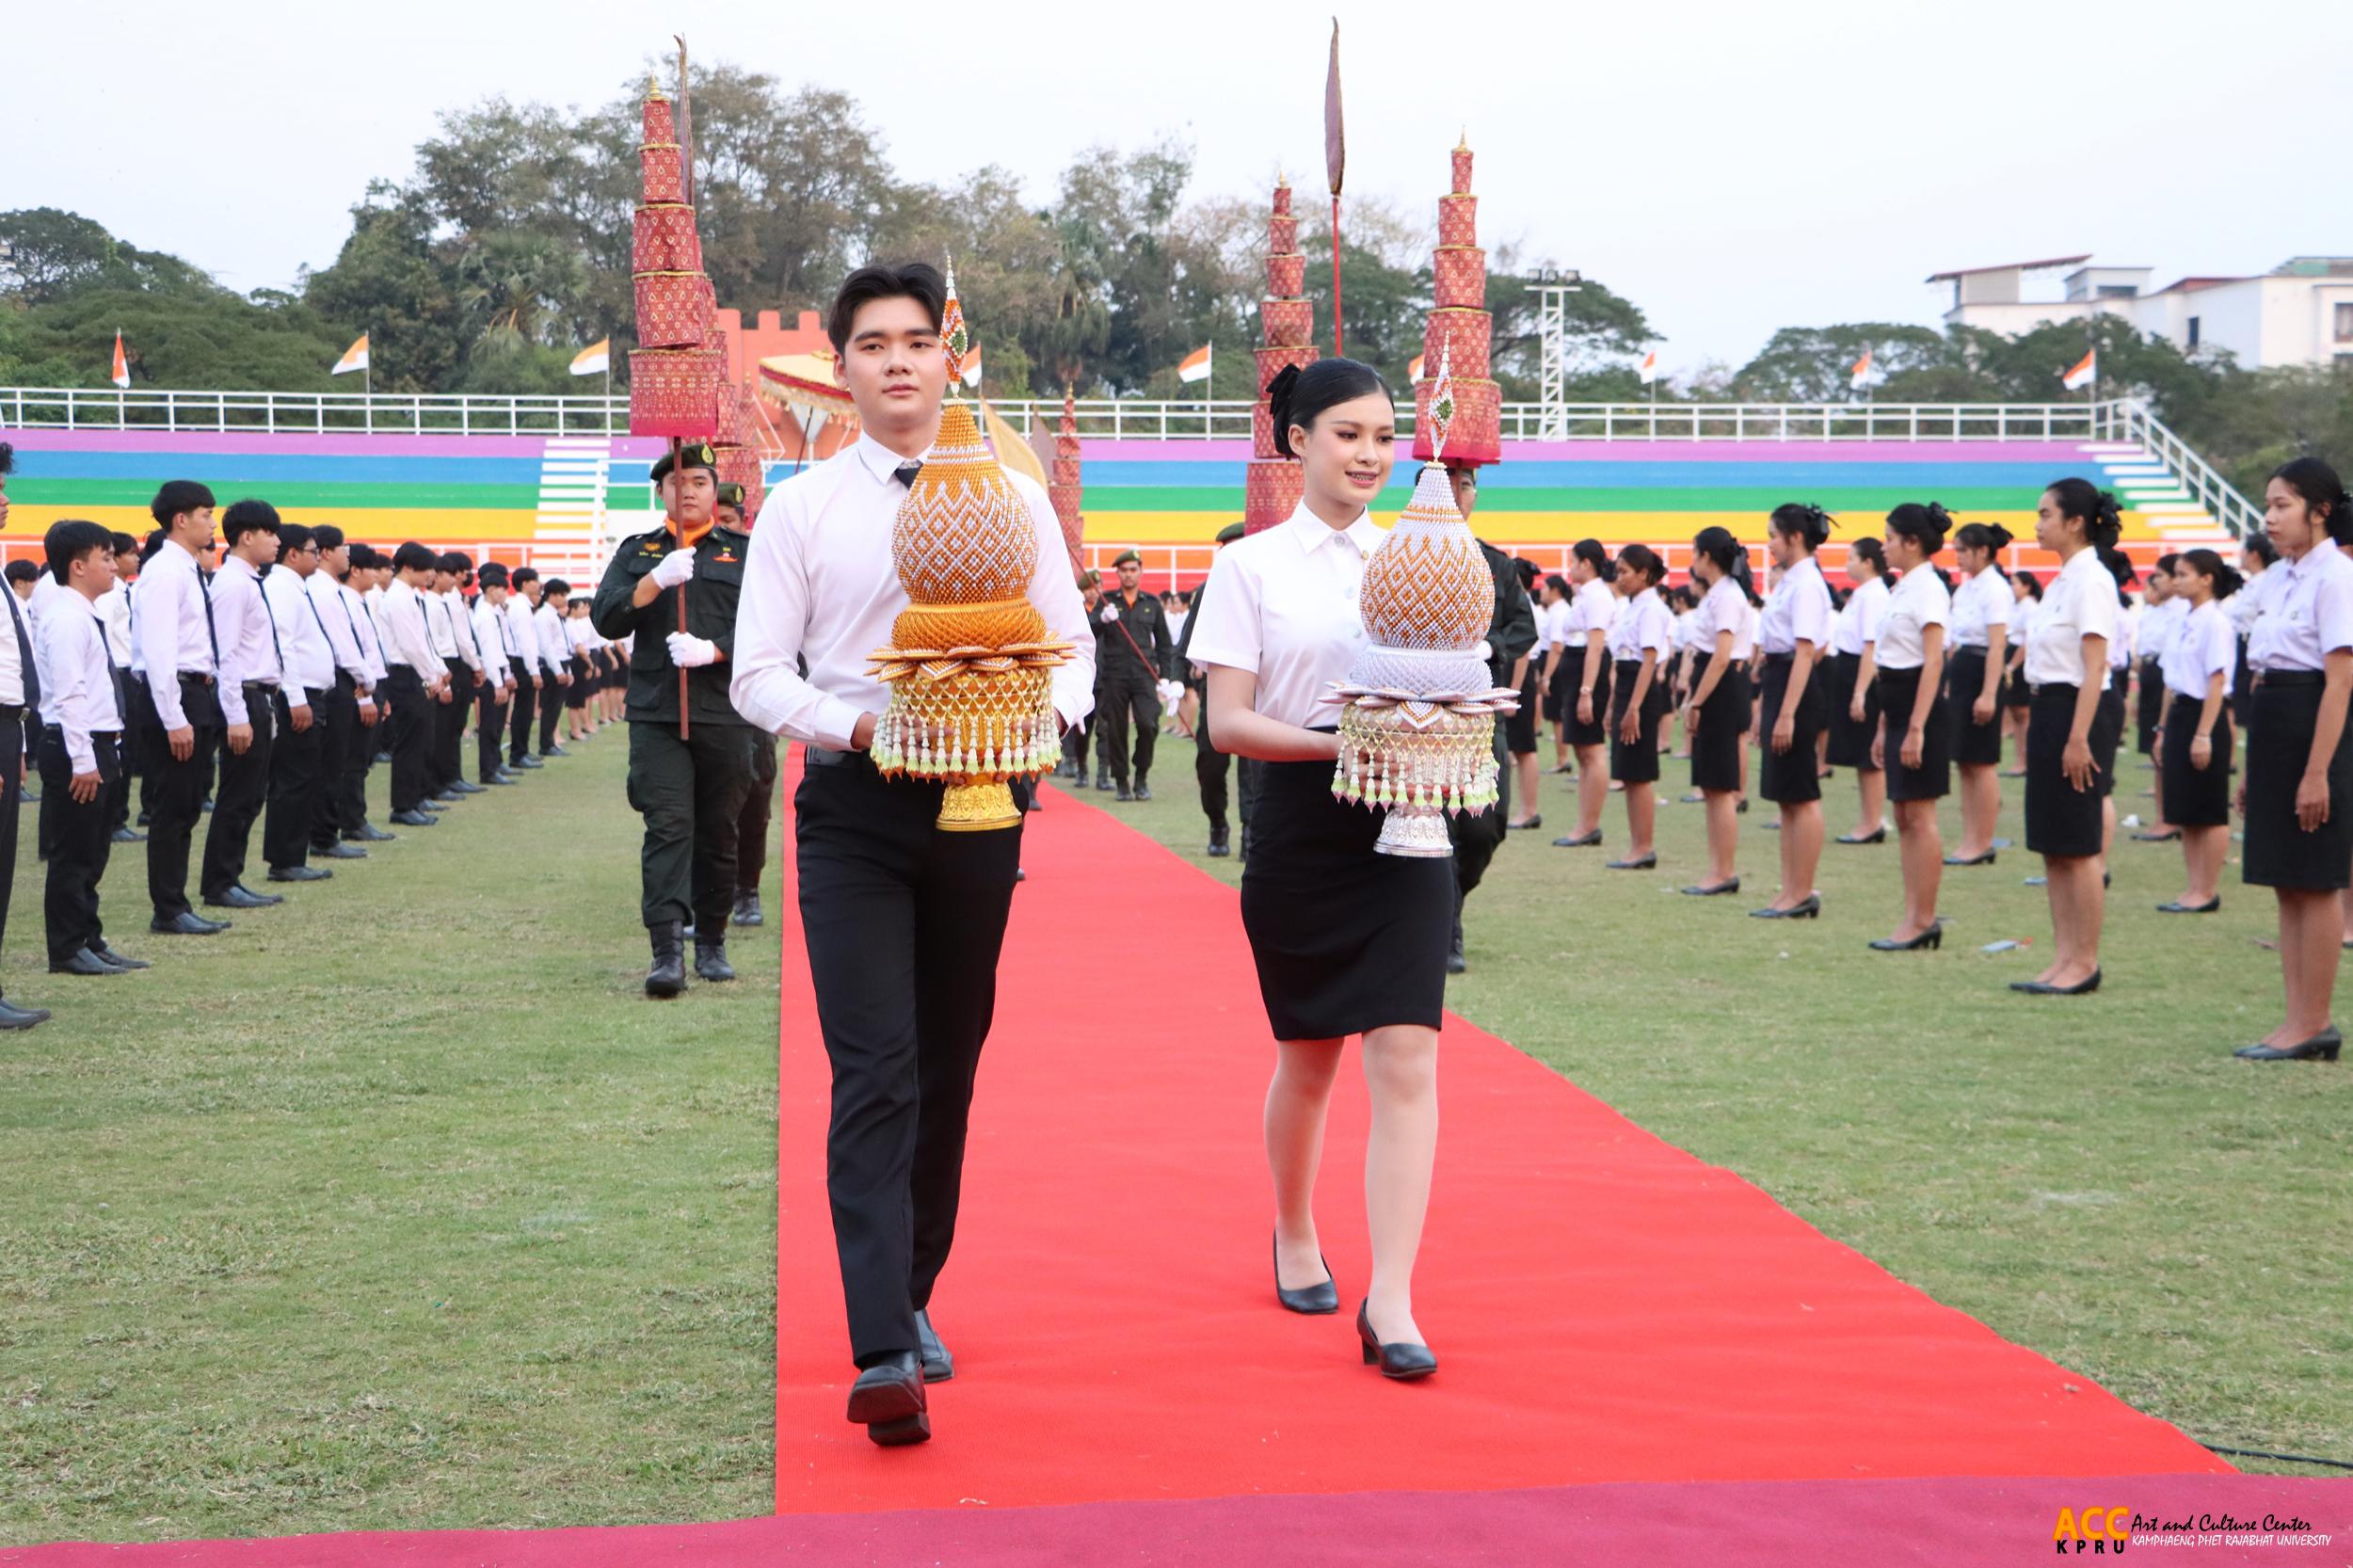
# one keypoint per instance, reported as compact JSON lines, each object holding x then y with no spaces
{"x":187,"y":924}
{"x":370,"y":834}
{"x":526,"y":762}
{"x":85,"y":961}
{"x":238,"y":896}
{"x":466,"y":786}
{"x":1144,"y":791}
{"x":121,"y":961}
{"x":711,"y":959}
{"x":887,"y":1398}
{"x":556,"y":750}
{"x":299,"y":873}
{"x":2322,"y":1046}
{"x":1102,"y":780}
{"x":124,"y":836}
{"x":1314,"y":1301}
{"x":747,"y":911}
{"x":13,"y":1017}
{"x":2044,"y":988}
{"x":341,"y":851}
{"x":939,"y":1366}
{"x":445,"y":798}
{"x":414,"y":819}
{"x":498,"y":778}
{"x":1402,"y":1361}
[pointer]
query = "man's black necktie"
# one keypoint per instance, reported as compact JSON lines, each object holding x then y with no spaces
{"x":31,"y":677}
{"x":211,"y":634}
{"x":905,"y":474}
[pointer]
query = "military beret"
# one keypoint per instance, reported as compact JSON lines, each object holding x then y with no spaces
{"x":690,"y":455}
{"x":731,"y":494}
{"x":1228,"y":534}
{"x":1125,"y":557}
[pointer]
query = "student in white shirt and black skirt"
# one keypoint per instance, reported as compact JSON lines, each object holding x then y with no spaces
{"x":2025,"y":600}
{"x":1346,"y":941}
{"x":1793,"y":635}
{"x":1973,"y":684}
{"x":1854,"y":714}
{"x":2299,"y":789}
{"x":2194,"y":727}
{"x":1581,"y":684}
{"x":1717,"y":715}
{"x":1915,"y":742}
{"x":1641,"y":645}
{"x":2072,"y":732}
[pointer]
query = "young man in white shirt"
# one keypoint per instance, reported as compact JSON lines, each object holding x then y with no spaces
{"x":531,"y":684}
{"x":81,"y":751}
{"x":20,"y":717}
{"x":344,"y":709}
{"x":299,"y":787}
{"x":903,"y":920}
{"x":252,"y":673}
{"x":453,"y":638}
{"x":416,"y":680}
{"x":556,"y":657}
{"x":173,"y":649}
{"x":498,"y":675}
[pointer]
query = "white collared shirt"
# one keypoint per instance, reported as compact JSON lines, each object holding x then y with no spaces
{"x":581,"y":635}
{"x":2201,"y":643}
{"x":820,"y":587}
{"x":440,"y":625}
{"x":1982,"y":604}
{"x":492,"y":631}
{"x":1918,"y":602}
{"x":1285,"y":605}
{"x":2309,"y":615}
{"x":174,"y":633}
{"x":406,"y":639}
{"x":338,"y":623}
{"x":2079,"y":602}
{"x":77,"y":689}
{"x":1553,"y":621}
{"x":1723,"y":608}
{"x":359,"y":620}
{"x":2157,"y":626}
{"x":1597,"y":606}
{"x":1644,"y":622}
{"x":556,"y":644}
{"x":1744,"y":640}
{"x":249,"y":642}
{"x":114,"y":611}
{"x":12,"y":656}
{"x":1798,"y":610}
{"x":1859,"y":618}
{"x":462,"y":629}
{"x":302,"y":634}
{"x":2245,"y":606}
{"x":522,"y":635}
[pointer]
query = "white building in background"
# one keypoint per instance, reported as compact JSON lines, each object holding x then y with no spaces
{"x":2298,"y":313}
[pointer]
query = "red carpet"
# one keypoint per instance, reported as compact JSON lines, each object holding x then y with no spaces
{"x":1948,"y":1523}
{"x":1606,"y":1308}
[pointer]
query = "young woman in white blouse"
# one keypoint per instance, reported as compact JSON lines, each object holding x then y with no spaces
{"x":1642,"y":642}
{"x":1717,"y":715}
{"x":2025,"y":594}
{"x":1584,"y":685}
{"x":1981,"y":611}
{"x":1915,"y":742}
{"x":2257,"y":556}
{"x":2299,"y":789}
{"x":1793,"y":634}
{"x":2194,"y":725}
{"x":1854,"y":721}
{"x":1556,"y":625}
{"x":2071,"y":733}
{"x":1346,"y":941}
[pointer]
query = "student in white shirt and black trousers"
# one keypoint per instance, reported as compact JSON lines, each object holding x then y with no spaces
{"x":1346,"y":941}
{"x":1914,"y":743}
{"x":20,"y":717}
{"x":903,"y":920}
{"x":415,"y":679}
{"x":1794,"y":634}
{"x":253,"y":669}
{"x":81,"y":751}
{"x":173,"y":646}
{"x":302,"y":820}
{"x":2299,"y":789}
{"x":2072,"y":730}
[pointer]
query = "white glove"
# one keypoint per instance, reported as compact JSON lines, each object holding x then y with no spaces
{"x":1111,"y":613}
{"x":1172,"y":693}
{"x":674,"y":569}
{"x":692,"y":652}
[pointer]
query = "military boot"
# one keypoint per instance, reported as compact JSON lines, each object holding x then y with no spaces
{"x":711,"y":959}
{"x":667,"y":977}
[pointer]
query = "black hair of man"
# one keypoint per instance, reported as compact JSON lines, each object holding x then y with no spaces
{"x":918,"y":281}
{"x":23,"y":570}
{"x":291,"y":538}
{"x":69,"y":539}
{"x":7,"y":459}
{"x":328,"y":537}
{"x":556,"y":587}
{"x":177,"y":496}
{"x":521,"y":575}
{"x":412,"y":556}
{"x":492,"y":575}
{"x":125,"y":545}
{"x":250,"y":517}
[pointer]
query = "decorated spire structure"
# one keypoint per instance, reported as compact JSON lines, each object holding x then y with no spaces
{"x":1273,"y":483}
{"x":1065,"y":490}
{"x":675,"y":376}
{"x":1461,"y":331}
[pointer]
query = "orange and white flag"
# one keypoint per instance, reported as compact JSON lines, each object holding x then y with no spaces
{"x":1196,"y":365}
{"x":2086,"y":372}
{"x":595,"y":359}
{"x":121,"y":377}
{"x":1859,"y":375}
{"x":355,"y":358}
{"x":1413,"y":372}
{"x":1648,"y":371}
{"x":973,"y":367}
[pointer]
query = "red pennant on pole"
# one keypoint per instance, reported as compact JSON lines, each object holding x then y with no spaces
{"x":1335,"y":165}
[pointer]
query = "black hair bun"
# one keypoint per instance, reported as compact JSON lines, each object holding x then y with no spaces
{"x":2002,"y":536}
{"x":2109,"y":526}
{"x":1279,"y":399}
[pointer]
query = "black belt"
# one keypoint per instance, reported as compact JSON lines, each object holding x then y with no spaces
{"x":13,"y":710}
{"x":1780,"y":658}
{"x":2290,"y":678}
{"x":250,"y":687}
{"x":189,"y":678}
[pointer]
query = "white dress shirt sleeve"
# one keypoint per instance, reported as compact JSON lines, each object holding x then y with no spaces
{"x":231,"y":624}
{"x":74,"y":659}
{"x":772,"y":620}
{"x":286,"y":609}
{"x":1057,"y":600}
{"x":162,"y":603}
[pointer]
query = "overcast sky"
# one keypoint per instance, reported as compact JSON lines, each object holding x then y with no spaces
{"x":1730,"y":168}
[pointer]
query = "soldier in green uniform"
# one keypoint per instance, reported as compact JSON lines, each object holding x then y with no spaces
{"x":688,"y":786}
{"x":751,"y":837}
{"x":1133,"y":654}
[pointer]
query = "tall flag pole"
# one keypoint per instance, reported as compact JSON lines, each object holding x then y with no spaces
{"x":1334,"y":165}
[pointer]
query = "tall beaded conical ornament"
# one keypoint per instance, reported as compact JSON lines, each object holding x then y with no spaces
{"x":1417,"y":731}
{"x":970,"y":666}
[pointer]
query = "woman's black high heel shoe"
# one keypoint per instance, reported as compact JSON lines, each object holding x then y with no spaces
{"x":1314,"y":1301}
{"x":1932,"y":938}
{"x":1401,"y":1362}
{"x":1806,"y":908}
{"x":2322,"y":1046}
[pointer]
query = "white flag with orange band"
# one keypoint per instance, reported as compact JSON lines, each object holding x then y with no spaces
{"x":121,"y":377}
{"x":2086,"y":372}
{"x":355,"y":358}
{"x":1195,"y":367}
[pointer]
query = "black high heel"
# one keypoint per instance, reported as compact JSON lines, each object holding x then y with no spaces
{"x":1701,"y":890}
{"x":1932,"y":938}
{"x":2044,"y":988}
{"x":1876,"y":836}
{"x":1807,"y":908}
{"x":1313,"y":1300}
{"x":1402,"y":1362}
{"x":1985,"y":859}
{"x":2322,"y":1046}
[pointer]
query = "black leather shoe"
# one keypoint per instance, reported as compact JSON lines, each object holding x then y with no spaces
{"x":238,"y":896}
{"x":433,"y":806}
{"x":370,"y":834}
{"x":1144,"y":791}
{"x":1985,"y":859}
{"x":2044,"y":988}
{"x":939,"y":1366}
{"x":448,"y":797}
{"x":1876,"y":836}
{"x":2322,"y":1046}
{"x":2168,"y":835}
{"x":667,"y":977}
{"x":466,"y":786}
{"x":1579,"y":841}
{"x":1125,"y":793}
{"x":555,"y":751}
{"x":1701,"y":890}
{"x":1221,"y":843}
{"x":124,"y":836}
{"x":710,"y":960}
{"x":341,"y":851}
{"x":1932,"y":938}
{"x":187,"y":924}
{"x":414,"y":819}
{"x":521,"y":763}
{"x":85,"y":961}
{"x":1312,"y":1301}
{"x":1102,"y":780}
{"x":496,"y":779}
{"x":1403,"y":1362}
{"x":747,"y":911}
{"x":1645,"y":863}
{"x":299,"y":873}
{"x":1806,"y":908}
{"x":887,"y":1398}
{"x":1529,"y":826}
{"x":121,"y":961}
{"x":13,"y":1017}
{"x":2175,"y":907}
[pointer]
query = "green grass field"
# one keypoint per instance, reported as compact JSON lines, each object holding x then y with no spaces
{"x":398,"y":1206}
